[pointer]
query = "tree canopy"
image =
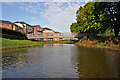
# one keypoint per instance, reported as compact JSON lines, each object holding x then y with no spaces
{"x":97,"y":17}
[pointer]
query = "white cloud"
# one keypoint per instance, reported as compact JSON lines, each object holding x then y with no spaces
{"x":44,"y":0}
{"x":61,"y":15}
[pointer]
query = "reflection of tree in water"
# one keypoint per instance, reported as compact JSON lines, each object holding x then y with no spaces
{"x":14,"y":59}
{"x":93,"y":63}
{"x":114,"y":60}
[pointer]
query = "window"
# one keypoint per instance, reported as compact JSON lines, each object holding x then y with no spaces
{"x":2,"y":24}
{"x":38,"y":29}
{"x":27,"y":26}
{"x":15,"y":27}
{"x":8,"y":25}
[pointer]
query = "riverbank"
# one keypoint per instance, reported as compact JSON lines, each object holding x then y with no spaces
{"x":96,"y":44}
{"x":15,"y":44}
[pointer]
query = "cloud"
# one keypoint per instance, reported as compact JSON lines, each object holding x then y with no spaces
{"x":61,"y":15}
{"x":44,"y":0}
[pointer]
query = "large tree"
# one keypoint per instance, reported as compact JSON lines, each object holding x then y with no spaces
{"x":111,"y":17}
{"x":98,"y":17}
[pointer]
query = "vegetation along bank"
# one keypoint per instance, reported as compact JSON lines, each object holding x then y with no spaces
{"x":14,"y":44}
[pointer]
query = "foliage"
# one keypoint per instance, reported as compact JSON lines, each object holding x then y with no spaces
{"x":111,"y":17}
{"x":109,"y":32}
{"x":75,"y":28}
{"x":11,"y":32}
{"x":98,"y":17}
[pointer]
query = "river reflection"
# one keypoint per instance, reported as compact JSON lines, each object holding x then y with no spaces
{"x":61,"y":61}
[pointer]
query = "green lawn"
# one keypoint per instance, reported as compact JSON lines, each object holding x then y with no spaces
{"x":8,"y":43}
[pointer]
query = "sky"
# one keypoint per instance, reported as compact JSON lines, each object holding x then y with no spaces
{"x":57,"y":14}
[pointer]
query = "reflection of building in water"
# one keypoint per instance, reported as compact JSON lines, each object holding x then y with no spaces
{"x":45,"y":45}
{"x":57,"y":45}
{"x":53,"y":45}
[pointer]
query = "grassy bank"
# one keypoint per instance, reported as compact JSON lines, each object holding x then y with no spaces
{"x":13,"y":44}
{"x":108,"y":44}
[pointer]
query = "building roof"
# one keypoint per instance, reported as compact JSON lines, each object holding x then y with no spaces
{"x":22,"y":23}
{"x":4,"y":21}
{"x":47,"y":29}
{"x":16,"y":25}
{"x":56,"y":32}
{"x":35,"y":26}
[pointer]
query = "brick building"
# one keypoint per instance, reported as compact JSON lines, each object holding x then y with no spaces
{"x":50,"y":32}
{"x":37,"y":29}
{"x":6,"y":24}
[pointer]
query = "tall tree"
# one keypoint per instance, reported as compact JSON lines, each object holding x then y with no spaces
{"x":87,"y":19}
{"x":98,"y":17}
{"x":111,"y":17}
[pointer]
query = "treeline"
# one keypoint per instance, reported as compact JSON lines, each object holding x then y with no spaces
{"x":98,"y":18}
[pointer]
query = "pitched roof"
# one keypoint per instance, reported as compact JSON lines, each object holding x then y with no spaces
{"x":16,"y":25}
{"x":22,"y":23}
{"x":47,"y":29}
{"x":4,"y":21}
{"x":35,"y":25}
{"x":57,"y":32}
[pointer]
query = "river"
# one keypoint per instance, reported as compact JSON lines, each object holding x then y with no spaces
{"x":61,"y":61}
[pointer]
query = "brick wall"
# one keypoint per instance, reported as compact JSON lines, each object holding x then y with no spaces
{"x":7,"y":26}
{"x":35,"y":29}
{"x":25,"y":30}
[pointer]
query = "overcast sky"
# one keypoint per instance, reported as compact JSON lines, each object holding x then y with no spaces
{"x":56,"y":14}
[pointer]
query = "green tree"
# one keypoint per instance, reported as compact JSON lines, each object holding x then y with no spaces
{"x":87,"y":19}
{"x":75,"y":28}
{"x":109,"y":14}
{"x":98,"y":17}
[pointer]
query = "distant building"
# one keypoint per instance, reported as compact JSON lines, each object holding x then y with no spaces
{"x":37,"y":29}
{"x":47,"y":30}
{"x":17,"y":28}
{"x":50,"y":32}
{"x":27,"y":27}
{"x":6,"y":24}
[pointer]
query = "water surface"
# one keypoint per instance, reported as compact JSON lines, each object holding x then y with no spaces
{"x":61,"y":61}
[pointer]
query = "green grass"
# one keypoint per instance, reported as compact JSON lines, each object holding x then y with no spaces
{"x":8,"y":43}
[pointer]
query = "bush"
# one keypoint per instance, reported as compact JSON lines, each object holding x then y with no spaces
{"x":11,"y":32}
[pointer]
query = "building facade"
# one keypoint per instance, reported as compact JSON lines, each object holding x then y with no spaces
{"x":17,"y":28}
{"x":27,"y":28}
{"x":37,"y":29}
{"x":6,"y":24}
{"x":32,"y":30}
{"x":50,"y":32}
